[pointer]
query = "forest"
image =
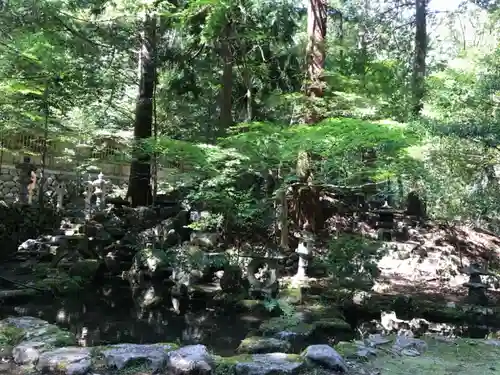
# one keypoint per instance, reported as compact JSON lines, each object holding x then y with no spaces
{"x":221,"y":90}
{"x":358,"y":140}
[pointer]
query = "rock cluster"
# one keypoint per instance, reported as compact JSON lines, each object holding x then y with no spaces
{"x":19,"y":223}
{"x":117,"y":231}
{"x":49,"y":349}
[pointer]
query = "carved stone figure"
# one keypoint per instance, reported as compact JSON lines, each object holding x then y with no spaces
{"x":100,"y":186}
{"x":61,"y":191}
{"x":89,"y":190}
{"x":27,"y":180}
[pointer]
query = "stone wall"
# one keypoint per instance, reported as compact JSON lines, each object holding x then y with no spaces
{"x":9,"y":184}
{"x":10,"y":188}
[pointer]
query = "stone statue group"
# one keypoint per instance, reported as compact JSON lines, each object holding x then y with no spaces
{"x":28,"y":182}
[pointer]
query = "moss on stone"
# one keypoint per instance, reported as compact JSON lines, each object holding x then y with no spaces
{"x":225,"y":365}
{"x":61,"y":366}
{"x":319,"y":311}
{"x":10,"y":335}
{"x":333,"y":324}
{"x":280,"y":324}
{"x":346,"y":348}
{"x":225,"y":361}
{"x":294,"y":357}
{"x":96,"y":351}
{"x":315,"y":371}
{"x":258,"y":344}
{"x":54,"y":336}
{"x":291,"y":295}
{"x":134,"y":369}
{"x":172,"y":346}
{"x":63,"y":338}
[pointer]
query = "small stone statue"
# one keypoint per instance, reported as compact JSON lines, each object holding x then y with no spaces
{"x":27,"y":180}
{"x":89,"y":190}
{"x":61,"y":191}
{"x":100,"y":186}
{"x":304,"y":250}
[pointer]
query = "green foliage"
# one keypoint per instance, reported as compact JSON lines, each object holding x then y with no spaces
{"x":67,"y":70}
{"x":287,"y":310}
{"x":352,"y":260}
{"x":337,"y":144}
{"x":253,"y":149}
{"x":210,"y":223}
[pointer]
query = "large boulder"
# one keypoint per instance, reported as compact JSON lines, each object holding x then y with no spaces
{"x":190,"y":360}
{"x":270,"y":364}
{"x":325,"y":356}
{"x":35,"y":336}
{"x":154,"y":356}
{"x":68,"y":361}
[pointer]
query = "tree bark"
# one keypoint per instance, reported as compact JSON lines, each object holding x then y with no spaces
{"x":139,"y":189}
{"x":419,"y":66}
{"x":316,"y":52}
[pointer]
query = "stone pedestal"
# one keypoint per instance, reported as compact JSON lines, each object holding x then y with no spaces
{"x":304,"y":250}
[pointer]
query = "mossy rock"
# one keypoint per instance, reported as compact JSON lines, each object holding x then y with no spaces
{"x":346,"y":349}
{"x":52,"y":336}
{"x":10,"y":336}
{"x":288,"y":324}
{"x":171,"y":346}
{"x":320,"y":311}
{"x":293,"y":296}
{"x":261,"y":345}
{"x":226,"y":365}
{"x":63,"y":338}
{"x":331,"y":325}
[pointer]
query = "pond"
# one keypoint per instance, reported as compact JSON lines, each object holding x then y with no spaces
{"x":111,"y":313}
{"x":108,"y":314}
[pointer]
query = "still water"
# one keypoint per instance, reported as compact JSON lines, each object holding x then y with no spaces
{"x":110,"y":314}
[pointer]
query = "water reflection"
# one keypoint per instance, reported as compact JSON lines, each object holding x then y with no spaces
{"x":114,"y":313}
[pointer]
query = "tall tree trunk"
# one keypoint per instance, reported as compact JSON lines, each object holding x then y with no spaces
{"x":418,"y":88}
{"x":363,"y":43}
{"x":139,"y":189}
{"x":305,"y":198}
{"x":226,"y":102}
{"x":316,"y":52}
